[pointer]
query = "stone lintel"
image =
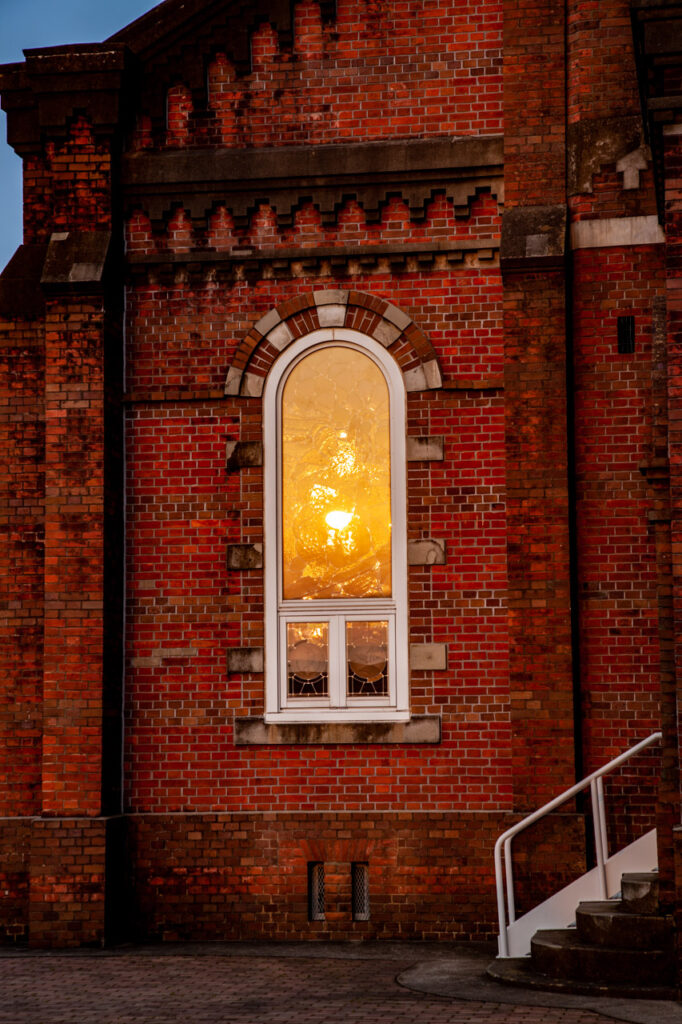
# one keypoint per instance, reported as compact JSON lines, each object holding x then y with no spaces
{"x":616,"y":231}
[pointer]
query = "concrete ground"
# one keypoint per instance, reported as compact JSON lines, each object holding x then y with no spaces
{"x":286,"y":983}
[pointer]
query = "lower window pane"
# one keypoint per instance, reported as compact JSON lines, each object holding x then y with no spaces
{"x":367,"y":658}
{"x":308,"y":659}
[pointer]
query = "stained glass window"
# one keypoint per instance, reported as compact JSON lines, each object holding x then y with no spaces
{"x":367,"y":658}
{"x":308,"y":659}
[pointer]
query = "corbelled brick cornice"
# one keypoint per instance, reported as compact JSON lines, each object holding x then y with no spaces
{"x":53,"y":85}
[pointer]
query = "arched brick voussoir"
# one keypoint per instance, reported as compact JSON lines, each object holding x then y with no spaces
{"x":332,"y":307}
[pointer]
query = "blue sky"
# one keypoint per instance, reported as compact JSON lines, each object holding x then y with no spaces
{"x":25,"y":24}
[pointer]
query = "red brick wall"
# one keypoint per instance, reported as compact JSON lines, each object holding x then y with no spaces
{"x":620,"y":416}
{"x":381,"y":70}
{"x":534,"y":102}
{"x":244,"y":876}
{"x":613,"y":406}
{"x":68,"y":186}
{"x":672,"y":882}
{"x":22,"y":431}
{"x":221,"y":834}
{"x":67,"y":887}
{"x":15,"y":861}
{"x":185,"y":607}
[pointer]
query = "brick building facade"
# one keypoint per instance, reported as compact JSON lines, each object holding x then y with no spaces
{"x":481,"y":198}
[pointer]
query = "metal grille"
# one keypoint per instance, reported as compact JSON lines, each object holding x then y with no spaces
{"x":316,"y":891}
{"x":626,"y":335}
{"x":360,"y":889}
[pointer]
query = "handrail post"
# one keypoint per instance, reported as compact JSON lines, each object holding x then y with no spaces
{"x":602,"y":818}
{"x":598,"y":847}
{"x":509,"y":871}
{"x":502,"y":940}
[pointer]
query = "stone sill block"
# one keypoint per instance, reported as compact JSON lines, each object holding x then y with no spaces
{"x":420,"y":729}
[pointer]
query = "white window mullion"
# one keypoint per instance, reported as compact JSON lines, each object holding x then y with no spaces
{"x":337,"y":693}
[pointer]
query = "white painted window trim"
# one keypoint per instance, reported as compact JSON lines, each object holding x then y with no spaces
{"x":279,"y":708}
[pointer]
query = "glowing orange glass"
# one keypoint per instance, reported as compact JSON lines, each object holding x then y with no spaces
{"x":336,"y":478}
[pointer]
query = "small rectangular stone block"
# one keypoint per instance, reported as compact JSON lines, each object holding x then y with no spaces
{"x":252,"y":386}
{"x":280,"y":337}
{"x":244,"y":556}
{"x":154,"y":659}
{"x":432,"y":374}
{"x":233,"y":381}
{"x":331,"y":316}
{"x":426,"y":552}
{"x":425,"y":449}
{"x":245,"y":659}
{"x":267,"y":322}
{"x":331,"y":297}
{"x":428,"y":656}
{"x":243,"y":453}
{"x":415,"y":380}
{"x":386,"y":333}
{"x":396,"y":316}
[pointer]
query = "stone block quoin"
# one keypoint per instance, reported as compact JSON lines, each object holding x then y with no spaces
{"x":377,"y":318}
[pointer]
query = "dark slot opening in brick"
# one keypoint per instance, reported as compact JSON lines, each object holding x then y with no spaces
{"x":316,"y":891}
{"x":626,"y":335}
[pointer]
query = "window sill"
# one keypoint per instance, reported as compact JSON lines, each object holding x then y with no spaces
{"x":420,"y":729}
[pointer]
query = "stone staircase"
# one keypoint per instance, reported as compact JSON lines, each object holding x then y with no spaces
{"x":621,"y":947}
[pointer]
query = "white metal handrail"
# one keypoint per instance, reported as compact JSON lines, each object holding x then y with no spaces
{"x":594,"y":781}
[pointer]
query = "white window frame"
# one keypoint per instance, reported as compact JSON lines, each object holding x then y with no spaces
{"x":279,"y":707}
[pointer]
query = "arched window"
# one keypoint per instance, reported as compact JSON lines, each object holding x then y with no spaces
{"x":335,"y":545}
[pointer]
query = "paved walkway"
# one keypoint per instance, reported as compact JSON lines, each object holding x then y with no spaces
{"x":327,"y":983}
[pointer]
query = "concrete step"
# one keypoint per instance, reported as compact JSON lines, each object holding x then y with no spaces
{"x":561,"y":954}
{"x":608,"y":923}
{"x":640,"y":892}
{"x":519,"y":972}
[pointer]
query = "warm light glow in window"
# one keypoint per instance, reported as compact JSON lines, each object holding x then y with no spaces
{"x":336,"y":478}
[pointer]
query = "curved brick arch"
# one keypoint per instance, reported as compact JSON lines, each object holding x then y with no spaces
{"x":375,"y":317}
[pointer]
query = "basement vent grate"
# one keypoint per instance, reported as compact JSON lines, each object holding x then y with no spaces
{"x":316,"y":891}
{"x":626,"y":335}
{"x":360,"y":891}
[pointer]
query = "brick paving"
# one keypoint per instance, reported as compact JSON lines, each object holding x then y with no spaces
{"x":144,"y":988}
